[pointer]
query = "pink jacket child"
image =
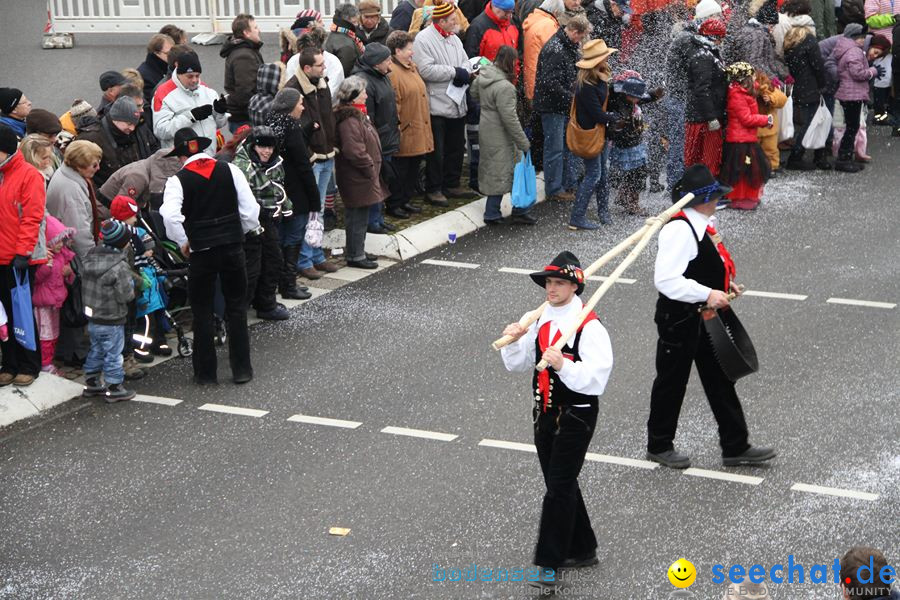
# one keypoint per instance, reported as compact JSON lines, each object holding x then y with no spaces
{"x":50,"y":288}
{"x":854,"y":71}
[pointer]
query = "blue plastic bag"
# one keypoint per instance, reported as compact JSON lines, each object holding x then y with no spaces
{"x":23,"y":314}
{"x":524,"y":191}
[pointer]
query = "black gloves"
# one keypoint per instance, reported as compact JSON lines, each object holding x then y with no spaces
{"x":462,"y":77}
{"x":20,"y":262}
{"x":220,"y":106}
{"x":199,"y":113}
{"x":879,"y":71}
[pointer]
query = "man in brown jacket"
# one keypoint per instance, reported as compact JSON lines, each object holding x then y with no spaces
{"x":242,"y":60}
{"x":317,"y":122}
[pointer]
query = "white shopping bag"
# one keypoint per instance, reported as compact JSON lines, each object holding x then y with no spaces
{"x":786,"y":121}
{"x":819,"y":127}
{"x":315,"y":230}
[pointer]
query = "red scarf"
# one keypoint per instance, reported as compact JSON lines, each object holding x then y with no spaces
{"x":544,"y":343}
{"x":350,"y":34}
{"x":730,"y":269}
{"x":361,"y":108}
{"x":443,"y":33}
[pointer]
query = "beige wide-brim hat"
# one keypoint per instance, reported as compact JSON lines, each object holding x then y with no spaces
{"x":593,"y":53}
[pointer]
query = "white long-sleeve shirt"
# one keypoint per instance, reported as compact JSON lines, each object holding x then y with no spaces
{"x":678,"y":246}
{"x":587,"y":376}
{"x":173,"y":198}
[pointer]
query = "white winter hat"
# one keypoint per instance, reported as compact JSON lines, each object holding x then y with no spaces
{"x":706,"y":9}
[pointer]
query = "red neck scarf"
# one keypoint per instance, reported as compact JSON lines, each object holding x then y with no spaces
{"x":443,"y":33}
{"x":361,"y":108}
{"x":730,"y":269}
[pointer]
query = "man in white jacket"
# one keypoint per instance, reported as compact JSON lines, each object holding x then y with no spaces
{"x":185,"y":101}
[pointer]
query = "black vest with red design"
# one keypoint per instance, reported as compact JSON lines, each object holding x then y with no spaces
{"x":549,"y":390}
{"x":706,"y":268}
{"x":210,"y":205}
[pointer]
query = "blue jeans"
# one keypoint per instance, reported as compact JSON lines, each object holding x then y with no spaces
{"x":492,"y":208}
{"x":596,"y":181}
{"x":309,"y":256}
{"x":560,"y":165}
{"x":323,"y":172}
{"x":107,"y":342}
{"x":291,"y":230}
{"x":675,"y":135}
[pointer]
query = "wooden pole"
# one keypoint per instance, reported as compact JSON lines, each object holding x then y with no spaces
{"x":655,"y":224}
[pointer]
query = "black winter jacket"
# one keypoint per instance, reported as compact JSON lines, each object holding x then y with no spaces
{"x":242,"y":60}
{"x":381,"y":105}
{"x":299,"y":179}
{"x":807,"y":68}
{"x":708,"y":86}
{"x":379,"y":34}
{"x":152,"y":71}
{"x":589,"y":101}
{"x":680,"y":51}
{"x":554,"y":82}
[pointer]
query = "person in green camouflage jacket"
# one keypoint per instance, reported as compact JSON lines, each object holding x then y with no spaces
{"x":257,"y":157}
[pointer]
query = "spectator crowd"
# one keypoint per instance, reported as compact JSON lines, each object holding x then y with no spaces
{"x":357,"y":120}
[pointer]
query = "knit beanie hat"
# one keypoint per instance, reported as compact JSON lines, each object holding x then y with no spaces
{"x":369,"y":7}
{"x":9,"y":99}
{"x":706,"y":9}
{"x":124,"y":109}
{"x":442,"y":10}
{"x":285,"y":100}
{"x":9,"y":143}
{"x":504,"y":4}
{"x":81,"y":108}
{"x":877,"y":41}
{"x":374,"y":54}
{"x":768,"y":13}
{"x":854,"y":30}
{"x":305,"y":19}
{"x":188,"y":63}
{"x":42,"y":121}
{"x":111,"y":79}
{"x":123,"y":208}
{"x":114,"y":233}
{"x":713,"y":28}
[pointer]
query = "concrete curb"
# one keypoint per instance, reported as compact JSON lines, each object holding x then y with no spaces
{"x":429,"y":234}
{"x":47,"y":391}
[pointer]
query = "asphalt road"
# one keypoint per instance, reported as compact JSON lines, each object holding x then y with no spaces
{"x":146,"y":500}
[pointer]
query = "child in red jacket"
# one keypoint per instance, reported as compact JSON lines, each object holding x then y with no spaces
{"x":50,"y":289}
{"x":745,"y":166}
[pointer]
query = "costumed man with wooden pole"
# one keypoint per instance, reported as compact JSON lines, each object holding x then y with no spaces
{"x":565,"y":411}
{"x":692,"y":268}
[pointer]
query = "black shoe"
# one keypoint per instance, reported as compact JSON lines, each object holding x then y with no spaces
{"x":525,"y":219}
{"x":92,"y":387}
{"x":754,"y":455}
{"x":278,"y":313}
{"x":823,"y":164}
{"x":377,"y":229}
{"x":847,"y":166}
{"x":241,"y":378}
{"x":371,"y":256}
{"x":118,"y":393}
{"x":461,"y":193}
{"x":363,"y":264}
{"x":390,"y":227}
{"x":437,"y":199}
{"x":670,"y":458}
{"x":411,"y":208}
{"x":495,"y":222}
{"x":74,"y":361}
{"x":204,"y":381}
{"x":580,"y":563}
{"x":300,"y":292}
{"x":144,"y":357}
{"x":161,"y":350}
{"x":397,"y":212}
{"x":799,"y":165}
{"x":895,"y":132}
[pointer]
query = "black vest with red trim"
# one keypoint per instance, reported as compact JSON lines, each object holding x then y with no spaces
{"x":707,"y":268}
{"x":549,"y":390}
{"x":210,"y":205}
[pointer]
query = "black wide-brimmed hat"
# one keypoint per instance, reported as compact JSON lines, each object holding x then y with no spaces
{"x":188,"y":143}
{"x":698,"y":180}
{"x":565,"y":266}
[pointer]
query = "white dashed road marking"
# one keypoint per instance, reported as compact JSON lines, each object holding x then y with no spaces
{"x":778,"y":295}
{"x":420,"y":433}
{"x":830,"y":491}
{"x":507,"y":445}
{"x":324,"y":421}
{"x":234,"y":410}
{"x":619,"y":460}
{"x":747,"y":479}
{"x":156,"y":400}
{"x":867,"y":303}
{"x":449,"y":263}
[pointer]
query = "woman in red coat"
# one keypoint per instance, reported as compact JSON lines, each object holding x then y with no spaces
{"x":744,"y":164}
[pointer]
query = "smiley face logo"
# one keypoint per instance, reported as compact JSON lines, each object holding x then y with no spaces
{"x":682,"y":573}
